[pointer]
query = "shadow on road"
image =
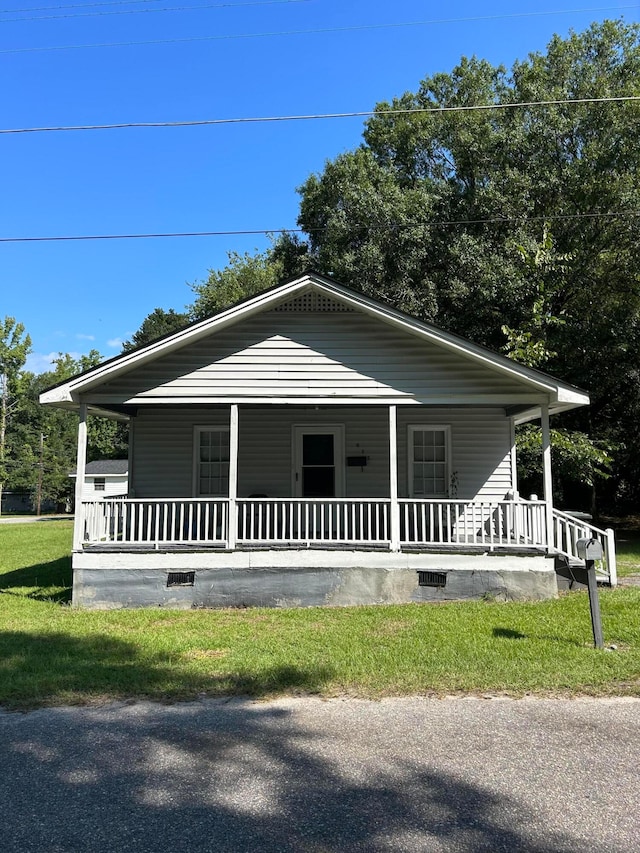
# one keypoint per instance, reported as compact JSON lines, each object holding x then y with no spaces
{"x":232,"y":777}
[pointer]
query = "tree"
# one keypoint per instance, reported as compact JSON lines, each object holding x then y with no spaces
{"x":15,"y":346}
{"x":435,"y":210}
{"x":246,"y":275}
{"x":157,"y":324}
{"x":50,"y":460}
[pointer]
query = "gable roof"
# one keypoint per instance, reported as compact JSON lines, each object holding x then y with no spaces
{"x":68,"y":393}
{"x":105,"y":468}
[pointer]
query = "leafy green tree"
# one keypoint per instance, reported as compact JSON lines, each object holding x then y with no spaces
{"x":157,"y":324}
{"x":15,"y":346}
{"x":246,"y":275}
{"x":437,"y":210}
{"x":44,"y":464}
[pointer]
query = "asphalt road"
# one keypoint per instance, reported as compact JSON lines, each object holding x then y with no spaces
{"x":310,"y":775}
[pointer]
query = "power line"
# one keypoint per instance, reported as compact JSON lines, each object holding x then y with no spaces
{"x":497,"y":220}
{"x":141,"y":11}
{"x":316,"y":116}
{"x":323,"y":31}
{"x":77,"y":6}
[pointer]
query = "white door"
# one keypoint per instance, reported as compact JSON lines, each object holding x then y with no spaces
{"x":318,"y":461}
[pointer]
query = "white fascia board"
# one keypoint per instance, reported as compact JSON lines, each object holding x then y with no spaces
{"x":68,"y":391}
{"x":341,"y":400}
{"x":59,"y":394}
{"x":533,"y":413}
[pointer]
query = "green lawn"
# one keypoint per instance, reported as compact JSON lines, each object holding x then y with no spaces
{"x":53,"y":654}
{"x":628,"y":551}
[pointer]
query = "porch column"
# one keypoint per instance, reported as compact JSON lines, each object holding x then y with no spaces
{"x":81,"y":465}
{"x":546,"y":474}
{"x":233,"y":476}
{"x":394,"y":516}
{"x":514,"y":460}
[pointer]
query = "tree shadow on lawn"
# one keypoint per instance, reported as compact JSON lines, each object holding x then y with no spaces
{"x":45,"y":581}
{"x":238,"y":776}
{"x":49,"y":669}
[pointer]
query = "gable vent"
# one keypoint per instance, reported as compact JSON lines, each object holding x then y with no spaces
{"x":313,"y":301}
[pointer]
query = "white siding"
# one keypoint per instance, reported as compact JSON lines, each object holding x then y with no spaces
{"x":113,"y":485}
{"x":336,"y":356}
{"x":163,"y":449}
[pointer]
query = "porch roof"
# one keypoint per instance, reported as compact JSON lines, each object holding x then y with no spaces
{"x":535,"y":385}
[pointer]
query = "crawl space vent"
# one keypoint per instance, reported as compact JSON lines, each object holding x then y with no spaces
{"x":432,"y":578}
{"x":181,"y":578}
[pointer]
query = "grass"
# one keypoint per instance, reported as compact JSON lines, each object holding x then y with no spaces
{"x":52,"y":654}
{"x":628,"y":551}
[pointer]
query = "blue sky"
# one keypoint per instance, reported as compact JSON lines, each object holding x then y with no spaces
{"x":223,"y":60}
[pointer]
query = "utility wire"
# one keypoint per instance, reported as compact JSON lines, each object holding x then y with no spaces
{"x":326,"y":30}
{"x":314,"y":117}
{"x":497,"y":220}
{"x":144,"y":11}
{"x":132,"y":3}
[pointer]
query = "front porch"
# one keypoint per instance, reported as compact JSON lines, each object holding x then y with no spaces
{"x":292,"y":552}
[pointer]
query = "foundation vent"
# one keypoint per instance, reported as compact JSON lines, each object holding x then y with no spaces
{"x":432,"y":579}
{"x":313,"y":302}
{"x":181,"y":578}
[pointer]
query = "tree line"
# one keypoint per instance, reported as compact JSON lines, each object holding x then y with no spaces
{"x":516,"y":227}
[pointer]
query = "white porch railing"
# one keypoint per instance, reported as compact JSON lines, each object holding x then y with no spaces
{"x":502,"y":524}
{"x":567,"y":531}
{"x":349,"y":521}
{"x":338,"y":521}
{"x":155,"y":522}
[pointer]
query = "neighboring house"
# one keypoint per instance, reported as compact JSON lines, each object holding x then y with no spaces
{"x":312,"y":445}
{"x":105,"y":478}
{"x":22,"y":502}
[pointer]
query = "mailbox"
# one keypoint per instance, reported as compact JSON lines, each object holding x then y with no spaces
{"x":589,"y":549}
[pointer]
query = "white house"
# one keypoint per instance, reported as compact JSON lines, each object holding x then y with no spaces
{"x":311,"y":445}
{"x":105,"y":478}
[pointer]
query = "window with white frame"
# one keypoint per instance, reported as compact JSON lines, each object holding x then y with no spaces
{"x":99,"y":484}
{"x":429,"y":461}
{"x":212,"y":461}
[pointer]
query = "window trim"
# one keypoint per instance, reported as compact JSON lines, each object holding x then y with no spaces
{"x":99,"y":484}
{"x":411,"y":430}
{"x":197,"y":431}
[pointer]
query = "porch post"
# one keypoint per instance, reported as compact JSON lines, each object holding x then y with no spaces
{"x":233,"y":476}
{"x":81,"y":464}
{"x":394,"y":516}
{"x":546,"y":474}
{"x":514,"y":460}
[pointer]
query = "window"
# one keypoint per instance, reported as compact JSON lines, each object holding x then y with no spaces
{"x":429,"y":461}
{"x":212,"y":461}
{"x":99,"y":484}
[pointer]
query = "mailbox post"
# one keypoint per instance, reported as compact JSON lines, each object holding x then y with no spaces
{"x":590,"y":550}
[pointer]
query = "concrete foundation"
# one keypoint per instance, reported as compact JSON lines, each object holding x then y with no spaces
{"x":304,"y":578}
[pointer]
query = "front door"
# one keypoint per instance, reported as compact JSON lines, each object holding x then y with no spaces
{"x":318,"y":461}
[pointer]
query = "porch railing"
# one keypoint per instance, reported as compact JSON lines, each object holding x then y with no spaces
{"x":339,"y":521}
{"x":489,"y":523}
{"x":568,"y":529}
{"x":350,"y":521}
{"x":155,"y":522}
